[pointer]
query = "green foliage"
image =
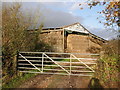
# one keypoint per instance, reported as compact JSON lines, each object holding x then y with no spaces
{"x":17,"y":36}
{"x":15,"y":82}
{"x":108,"y":69}
{"x":108,"y":65}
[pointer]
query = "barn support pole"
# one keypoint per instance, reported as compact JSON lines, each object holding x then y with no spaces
{"x":88,"y":40}
{"x":63,"y":40}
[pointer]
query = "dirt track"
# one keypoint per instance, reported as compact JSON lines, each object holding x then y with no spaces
{"x":56,"y":81}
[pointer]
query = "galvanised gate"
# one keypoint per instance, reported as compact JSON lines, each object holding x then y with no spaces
{"x":57,"y":63}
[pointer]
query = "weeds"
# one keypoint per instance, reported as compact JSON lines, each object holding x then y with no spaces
{"x":108,"y":70}
{"x":17,"y":81}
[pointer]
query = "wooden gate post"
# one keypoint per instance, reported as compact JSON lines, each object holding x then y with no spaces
{"x":14,"y":64}
{"x":17,"y":55}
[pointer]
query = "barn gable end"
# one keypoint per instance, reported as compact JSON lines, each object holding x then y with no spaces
{"x":76,"y":28}
{"x":72,"y":38}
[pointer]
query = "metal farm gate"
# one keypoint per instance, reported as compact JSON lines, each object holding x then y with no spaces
{"x":57,"y":63}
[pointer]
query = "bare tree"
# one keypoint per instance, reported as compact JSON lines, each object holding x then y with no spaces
{"x":15,"y":33}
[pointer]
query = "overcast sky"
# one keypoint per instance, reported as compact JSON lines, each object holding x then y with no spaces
{"x":56,"y":14}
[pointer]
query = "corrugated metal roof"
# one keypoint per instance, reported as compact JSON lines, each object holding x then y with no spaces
{"x":67,"y":27}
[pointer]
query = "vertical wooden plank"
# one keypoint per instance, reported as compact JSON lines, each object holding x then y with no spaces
{"x":88,"y":40}
{"x":63,"y":40}
{"x":89,"y":43}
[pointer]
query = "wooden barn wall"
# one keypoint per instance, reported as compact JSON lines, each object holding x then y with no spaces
{"x":95,"y":45}
{"x":81,"y":44}
{"x":77,"y":43}
{"x":54,"y":39}
{"x":73,"y":43}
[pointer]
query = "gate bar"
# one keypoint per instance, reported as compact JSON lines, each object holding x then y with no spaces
{"x":60,"y":53}
{"x":30,"y":62}
{"x":56,"y":63}
{"x":83,"y":63}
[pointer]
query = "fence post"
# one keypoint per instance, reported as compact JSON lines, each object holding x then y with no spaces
{"x":42,"y":61}
{"x":16,"y":63}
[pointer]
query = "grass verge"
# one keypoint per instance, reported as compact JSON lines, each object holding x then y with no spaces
{"x":17,"y":81}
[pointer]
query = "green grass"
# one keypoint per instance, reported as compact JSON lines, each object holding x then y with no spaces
{"x":62,"y":59}
{"x":17,"y":81}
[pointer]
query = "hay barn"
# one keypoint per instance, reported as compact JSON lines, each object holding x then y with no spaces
{"x":72,"y":38}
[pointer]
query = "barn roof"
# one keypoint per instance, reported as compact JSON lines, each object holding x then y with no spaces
{"x":76,"y":27}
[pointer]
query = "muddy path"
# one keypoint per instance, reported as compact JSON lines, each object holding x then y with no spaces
{"x":56,"y":81}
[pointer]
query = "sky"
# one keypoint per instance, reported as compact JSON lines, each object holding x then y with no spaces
{"x":57,"y":14}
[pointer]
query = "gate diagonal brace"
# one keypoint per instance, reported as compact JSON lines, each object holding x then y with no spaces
{"x":56,"y":63}
{"x":83,"y":63}
{"x":30,"y":63}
